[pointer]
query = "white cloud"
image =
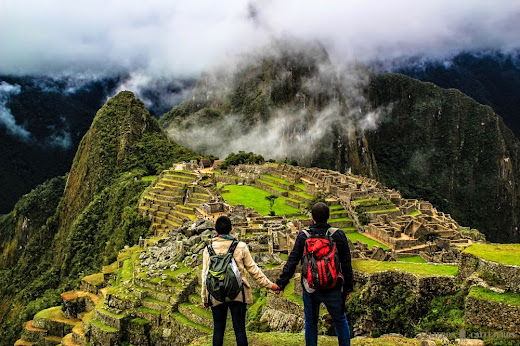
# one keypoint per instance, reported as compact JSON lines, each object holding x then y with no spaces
{"x":6,"y":117}
{"x":182,"y":38}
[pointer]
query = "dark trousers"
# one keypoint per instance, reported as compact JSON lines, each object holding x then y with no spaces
{"x":238,"y":316}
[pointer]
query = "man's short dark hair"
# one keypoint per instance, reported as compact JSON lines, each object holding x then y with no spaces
{"x":223,"y":225}
{"x":320,"y":212}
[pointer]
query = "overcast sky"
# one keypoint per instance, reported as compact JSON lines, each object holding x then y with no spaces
{"x":182,"y":38}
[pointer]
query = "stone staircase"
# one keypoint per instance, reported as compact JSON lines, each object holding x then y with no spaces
{"x":172,"y":200}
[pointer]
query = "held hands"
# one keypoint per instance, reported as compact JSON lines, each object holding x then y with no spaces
{"x":276,"y":289}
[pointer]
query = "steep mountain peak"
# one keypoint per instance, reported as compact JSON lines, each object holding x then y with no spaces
{"x":106,"y":150}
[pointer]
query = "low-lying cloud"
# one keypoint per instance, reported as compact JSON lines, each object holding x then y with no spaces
{"x":182,"y":38}
{"x":6,"y":117}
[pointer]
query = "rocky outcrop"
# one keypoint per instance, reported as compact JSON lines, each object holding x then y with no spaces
{"x":492,"y":315}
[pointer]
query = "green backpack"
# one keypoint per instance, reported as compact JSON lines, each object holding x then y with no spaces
{"x":223,"y":280}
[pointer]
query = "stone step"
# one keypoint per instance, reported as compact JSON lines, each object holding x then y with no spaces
{"x":173,"y":181}
{"x":68,"y":340}
{"x":181,"y":325}
{"x":54,"y":321}
{"x":191,"y":176}
{"x":102,"y":334}
{"x":196,"y":314}
{"x":78,"y":335}
{"x":192,"y":205}
{"x":21,"y":342}
{"x":154,"y":316}
{"x":109,"y":318}
{"x":195,"y":298}
{"x":339,"y":215}
{"x":32,"y":333}
{"x":52,"y":340}
{"x":157,"y":295}
{"x":74,"y":300}
{"x":175,"y":218}
{"x":161,"y":193}
{"x":155,"y":304}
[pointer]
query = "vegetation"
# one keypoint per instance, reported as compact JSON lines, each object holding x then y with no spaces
{"x":271,"y":199}
{"x":421,"y":269}
{"x":444,"y":314}
{"x":354,"y":236}
{"x":240,"y":158}
{"x":253,"y":197}
{"x":481,"y":293}
{"x":412,"y":259}
{"x":501,"y":253}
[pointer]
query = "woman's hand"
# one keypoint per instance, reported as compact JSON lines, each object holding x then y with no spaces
{"x":275,"y":288}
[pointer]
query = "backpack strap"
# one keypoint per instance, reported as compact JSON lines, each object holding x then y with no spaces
{"x":306,"y":232}
{"x":331,"y":231}
{"x":210,"y":250}
{"x":233,"y":246}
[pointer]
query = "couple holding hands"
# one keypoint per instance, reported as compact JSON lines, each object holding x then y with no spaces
{"x":326,"y":277}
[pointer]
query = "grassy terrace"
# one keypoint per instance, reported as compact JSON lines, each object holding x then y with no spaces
{"x":382,"y":211}
{"x":412,"y":259}
{"x":280,"y":180}
{"x":421,"y":269}
{"x":148,"y":178}
{"x":482,"y":293}
{"x":501,"y":253}
{"x":253,"y":197}
{"x":353,"y":236}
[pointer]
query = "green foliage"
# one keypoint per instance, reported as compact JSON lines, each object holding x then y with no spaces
{"x":354,"y":236}
{"x":271,"y":199}
{"x":482,"y":293}
{"x":240,"y":158}
{"x":444,"y":314}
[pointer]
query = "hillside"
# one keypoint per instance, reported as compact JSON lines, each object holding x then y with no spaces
{"x":70,"y":227}
{"x":416,"y":137}
{"x":443,"y":146}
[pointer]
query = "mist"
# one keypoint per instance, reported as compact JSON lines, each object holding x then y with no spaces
{"x":6,"y":117}
{"x":183,"y":38}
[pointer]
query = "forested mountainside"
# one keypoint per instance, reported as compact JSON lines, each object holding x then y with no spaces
{"x":426,"y":141}
{"x":71,"y":226}
{"x":490,"y":77}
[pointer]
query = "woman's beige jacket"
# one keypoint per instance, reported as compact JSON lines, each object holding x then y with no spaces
{"x":244,"y":260}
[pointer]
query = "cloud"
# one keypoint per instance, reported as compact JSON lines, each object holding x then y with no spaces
{"x":60,"y":139}
{"x":6,"y":117}
{"x":182,"y":38}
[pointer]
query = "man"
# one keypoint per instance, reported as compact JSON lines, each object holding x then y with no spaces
{"x":220,"y":245}
{"x":334,"y":298}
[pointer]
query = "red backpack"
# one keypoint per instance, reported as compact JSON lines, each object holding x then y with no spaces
{"x":320,"y":265}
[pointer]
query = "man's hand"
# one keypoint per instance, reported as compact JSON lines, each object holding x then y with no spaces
{"x":275,"y":288}
{"x":347,"y":298}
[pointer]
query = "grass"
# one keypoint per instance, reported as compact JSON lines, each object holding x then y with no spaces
{"x":297,"y":339}
{"x":103,"y":326}
{"x":280,"y":180}
{"x":256,"y":307}
{"x":148,"y":310}
{"x":364,"y":239}
{"x":289,"y":293}
{"x":253,"y":197}
{"x":349,"y":229}
{"x":341,"y":219}
{"x":336,"y":207}
{"x":482,"y":293}
{"x":198,"y":310}
{"x":500,"y":253}
{"x":414,"y":213}
{"x":185,"y":321}
{"x":50,"y":313}
{"x":148,"y":178}
{"x":382,"y":211}
{"x":412,"y":259}
{"x":127,"y":270}
{"x":95,"y":279}
{"x":421,"y":269}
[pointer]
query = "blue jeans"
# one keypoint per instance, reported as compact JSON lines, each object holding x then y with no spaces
{"x":238,"y":316}
{"x":334,"y":302}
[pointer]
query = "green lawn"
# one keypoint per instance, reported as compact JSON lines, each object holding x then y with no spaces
{"x":280,"y":180}
{"x":482,"y":293}
{"x":364,"y":239}
{"x":501,"y":253}
{"x":412,"y":259}
{"x":335,"y":208}
{"x":253,"y":197}
{"x":421,"y":269}
{"x":349,"y":229}
{"x":148,"y":178}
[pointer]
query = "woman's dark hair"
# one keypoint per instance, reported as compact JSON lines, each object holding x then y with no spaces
{"x":320,"y":212}
{"x":223,"y":225}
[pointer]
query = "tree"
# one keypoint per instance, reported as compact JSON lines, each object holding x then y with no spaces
{"x":271,"y":199}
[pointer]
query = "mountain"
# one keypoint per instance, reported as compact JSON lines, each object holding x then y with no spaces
{"x":421,"y":139}
{"x":49,"y":118}
{"x":491,"y":78}
{"x":71,"y":226}
{"x":442,"y":145}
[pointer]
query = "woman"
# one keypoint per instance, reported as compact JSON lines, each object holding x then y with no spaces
{"x":243,"y":259}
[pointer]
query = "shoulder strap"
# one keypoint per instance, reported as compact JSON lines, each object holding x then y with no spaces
{"x":331,"y":231}
{"x":306,"y":232}
{"x":233,"y":246}
{"x":210,"y":250}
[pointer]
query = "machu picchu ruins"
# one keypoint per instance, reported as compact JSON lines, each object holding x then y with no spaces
{"x":151,"y":294}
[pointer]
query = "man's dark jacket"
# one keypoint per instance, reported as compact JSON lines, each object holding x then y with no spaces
{"x":297,"y":254}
